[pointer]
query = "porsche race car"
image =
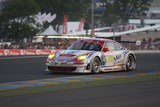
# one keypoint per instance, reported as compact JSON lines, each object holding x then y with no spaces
{"x":92,"y":55}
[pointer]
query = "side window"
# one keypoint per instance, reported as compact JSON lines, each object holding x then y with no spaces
{"x":110,"y":46}
{"x":118,"y":47}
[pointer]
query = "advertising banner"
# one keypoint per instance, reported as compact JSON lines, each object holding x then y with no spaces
{"x":6,"y":52}
{"x":14,"y":52}
{"x":30,"y":52}
{"x":45,"y":51}
{"x":1,"y":52}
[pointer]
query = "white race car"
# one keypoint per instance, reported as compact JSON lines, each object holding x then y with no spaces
{"x":92,"y":55}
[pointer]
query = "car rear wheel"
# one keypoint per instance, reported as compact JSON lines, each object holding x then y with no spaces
{"x":131,"y":63}
{"x":96,"y":65}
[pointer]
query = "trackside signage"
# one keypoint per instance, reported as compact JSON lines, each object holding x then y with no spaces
{"x":30,"y":51}
{"x":1,"y":52}
{"x":5,"y":52}
{"x":14,"y":52}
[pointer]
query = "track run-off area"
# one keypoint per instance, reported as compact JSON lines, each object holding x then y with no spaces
{"x":20,"y":72}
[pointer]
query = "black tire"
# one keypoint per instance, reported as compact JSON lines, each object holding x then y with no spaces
{"x":131,"y":63}
{"x":96,"y":65}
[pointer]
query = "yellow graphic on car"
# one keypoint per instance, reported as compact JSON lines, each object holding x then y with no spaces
{"x":109,"y":59}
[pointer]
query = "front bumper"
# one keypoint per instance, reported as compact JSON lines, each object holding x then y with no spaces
{"x":67,"y":67}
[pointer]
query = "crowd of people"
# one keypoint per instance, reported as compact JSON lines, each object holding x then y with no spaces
{"x":59,"y":45}
{"x":27,"y":46}
{"x":144,"y":44}
{"x":148,"y":44}
{"x":151,"y":44}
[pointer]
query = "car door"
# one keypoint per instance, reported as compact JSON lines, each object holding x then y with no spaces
{"x":109,"y":53}
{"x":114,"y":54}
{"x":119,"y":53}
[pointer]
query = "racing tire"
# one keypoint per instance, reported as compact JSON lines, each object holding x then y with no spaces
{"x":96,"y":65}
{"x":131,"y":63}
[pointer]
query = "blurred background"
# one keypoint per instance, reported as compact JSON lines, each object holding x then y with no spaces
{"x":56,"y":24}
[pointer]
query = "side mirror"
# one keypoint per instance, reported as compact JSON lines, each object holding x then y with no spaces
{"x":105,"y":49}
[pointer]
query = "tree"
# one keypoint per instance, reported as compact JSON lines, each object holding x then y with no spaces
{"x":17,"y":21}
{"x":110,"y":16}
{"x":128,"y":8}
{"x":125,"y":9}
{"x":86,"y":26}
{"x":74,"y":9}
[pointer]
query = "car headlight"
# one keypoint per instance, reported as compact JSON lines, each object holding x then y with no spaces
{"x":51,"y":56}
{"x":81,"y":57}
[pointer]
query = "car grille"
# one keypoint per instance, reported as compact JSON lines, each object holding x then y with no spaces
{"x":62,"y":69}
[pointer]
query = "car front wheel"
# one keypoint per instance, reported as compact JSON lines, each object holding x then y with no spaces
{"x":96,"y":65}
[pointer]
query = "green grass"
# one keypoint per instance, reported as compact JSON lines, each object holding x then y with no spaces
{"x":76,"y":85}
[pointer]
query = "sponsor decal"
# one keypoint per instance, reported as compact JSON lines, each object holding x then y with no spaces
{"x":64,"y":58}
{"x":125,"y":52}
{"x":109,"y":60}
{"x":118,"y":57}
{"x":90,"y":54}
{"x":75,"y":52}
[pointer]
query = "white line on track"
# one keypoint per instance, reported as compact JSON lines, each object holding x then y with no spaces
{"x":21,"y":57}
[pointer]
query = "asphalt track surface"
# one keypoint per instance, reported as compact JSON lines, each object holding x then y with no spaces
{"x":32,"y":68}
{"x":138,"y":94}
{"x":141,"y":94}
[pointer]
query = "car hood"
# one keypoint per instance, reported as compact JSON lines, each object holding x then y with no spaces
{"x":73,"y":52}
{"x":66,"y":55}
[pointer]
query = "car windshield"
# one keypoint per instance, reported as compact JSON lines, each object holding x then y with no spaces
{"x":86,"y":46}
